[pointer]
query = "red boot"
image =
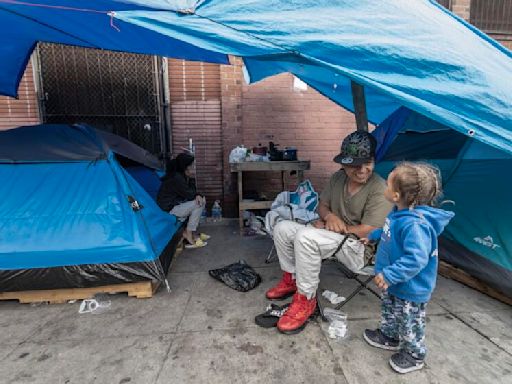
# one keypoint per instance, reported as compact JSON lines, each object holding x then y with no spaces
{"x":285,"y":288}
{"x":295,"y":318}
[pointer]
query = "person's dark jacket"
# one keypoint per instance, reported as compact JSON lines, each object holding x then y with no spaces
{"x":176,"y":189}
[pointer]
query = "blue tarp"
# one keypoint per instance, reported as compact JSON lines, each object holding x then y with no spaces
{"x":63,"y":211}
{"x":80,"y":23}
{"x":409,"y":53}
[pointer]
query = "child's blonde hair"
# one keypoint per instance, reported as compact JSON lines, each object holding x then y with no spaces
{"x":417,"y":183}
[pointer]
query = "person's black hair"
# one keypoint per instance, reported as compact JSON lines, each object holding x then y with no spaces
{"x":178,"y":164}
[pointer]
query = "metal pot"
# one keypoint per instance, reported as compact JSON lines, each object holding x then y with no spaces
{"x":259,"y":150}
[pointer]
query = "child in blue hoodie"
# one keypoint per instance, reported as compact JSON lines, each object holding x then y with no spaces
{"x":406,"y":262}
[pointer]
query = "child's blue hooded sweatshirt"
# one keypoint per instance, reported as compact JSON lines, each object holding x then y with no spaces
{"x":407,"y":251}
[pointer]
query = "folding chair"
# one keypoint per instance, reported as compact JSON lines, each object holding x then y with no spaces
{"x":367,"y":271}
{"x":304,"y":197}
{"x":272,"y":255}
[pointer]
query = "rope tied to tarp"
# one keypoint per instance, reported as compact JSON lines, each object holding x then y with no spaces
{"x":111,"y":14}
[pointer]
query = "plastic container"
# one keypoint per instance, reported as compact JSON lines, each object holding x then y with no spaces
{"x":337,"y":330}
{"x":333,"y":297}
{"x":216,"y":211}
{"x":238,"y":154}
{"x":338,"y":324}
{"x":97,"y":305}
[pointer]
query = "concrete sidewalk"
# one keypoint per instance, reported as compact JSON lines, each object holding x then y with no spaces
{"x":204,"y":332}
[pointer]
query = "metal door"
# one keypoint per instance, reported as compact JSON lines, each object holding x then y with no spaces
{"x":115,"y":91}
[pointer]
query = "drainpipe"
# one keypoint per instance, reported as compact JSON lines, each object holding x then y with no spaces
{"x":165,"y":126}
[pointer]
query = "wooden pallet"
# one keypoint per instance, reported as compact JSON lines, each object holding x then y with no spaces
{"x":144,"y":289}
{"x":454,"y":273}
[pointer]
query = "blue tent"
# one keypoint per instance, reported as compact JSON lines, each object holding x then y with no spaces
{"x":71,"y":215}
{"x":476,"y":177}
{"x":143,"y":166}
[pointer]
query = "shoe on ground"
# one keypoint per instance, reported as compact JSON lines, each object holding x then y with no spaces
{"x":402,"y":362}
{"x":204,"y":236}
{"x":197,"y":244}
{"x":377,"y":339}
{"x":286,"y":287}
{"x":271,"y":316}
{"x":297,"y":315}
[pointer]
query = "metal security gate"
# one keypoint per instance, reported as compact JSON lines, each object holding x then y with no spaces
{"x":492,"y":16}
{"x":114,"y":91}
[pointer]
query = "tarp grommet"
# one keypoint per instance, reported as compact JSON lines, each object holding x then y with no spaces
{"x":471,"y":132}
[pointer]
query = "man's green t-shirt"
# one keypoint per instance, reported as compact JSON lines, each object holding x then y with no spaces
{"x":367,"y":206}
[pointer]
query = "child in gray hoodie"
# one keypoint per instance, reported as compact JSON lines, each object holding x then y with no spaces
{"x":406,"y":262}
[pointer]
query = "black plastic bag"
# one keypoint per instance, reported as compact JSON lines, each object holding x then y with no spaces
{"x":239,"y":276}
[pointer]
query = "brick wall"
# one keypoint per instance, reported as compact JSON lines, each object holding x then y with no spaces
{"x":461,"y":8}
{"x":194,"y":90}
{"x":274,"y":111}
{"x":506,"y":40}
{"x":507,"y":43}
{"x":24,"y":110}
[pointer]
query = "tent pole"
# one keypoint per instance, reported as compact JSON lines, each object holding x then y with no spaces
{"x":359,"y":106}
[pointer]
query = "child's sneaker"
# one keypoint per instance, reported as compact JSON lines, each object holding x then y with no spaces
{"x":376,"y":338}
{"x":402,"y":362}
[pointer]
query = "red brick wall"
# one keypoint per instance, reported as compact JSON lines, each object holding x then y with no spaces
{"x":506,"y":43}
{"x":506,"y":40}
{"x":195,"y":93}
{"x":461,"y":8}
{"x":24,"y":110}
{"x":274,"y":111}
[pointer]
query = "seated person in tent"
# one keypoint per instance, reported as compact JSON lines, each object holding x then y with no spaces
{"x":178,"y":196}
{"x":352,"y":202}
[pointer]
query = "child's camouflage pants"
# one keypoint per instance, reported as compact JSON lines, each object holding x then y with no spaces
{"x":405,"y":321}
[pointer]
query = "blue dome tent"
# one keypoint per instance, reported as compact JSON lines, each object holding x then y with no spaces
{"x":72,"y":216}
{"x":476,"y":177}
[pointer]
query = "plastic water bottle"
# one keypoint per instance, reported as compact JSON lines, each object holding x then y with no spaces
{"x":216,"y":211}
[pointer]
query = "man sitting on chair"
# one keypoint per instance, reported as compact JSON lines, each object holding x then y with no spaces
{"x":352,"y":202}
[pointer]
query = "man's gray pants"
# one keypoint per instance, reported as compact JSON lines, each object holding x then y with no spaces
{"x":301,"y":250}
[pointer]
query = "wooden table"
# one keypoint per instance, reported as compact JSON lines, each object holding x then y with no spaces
{"x":264,"y":166}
